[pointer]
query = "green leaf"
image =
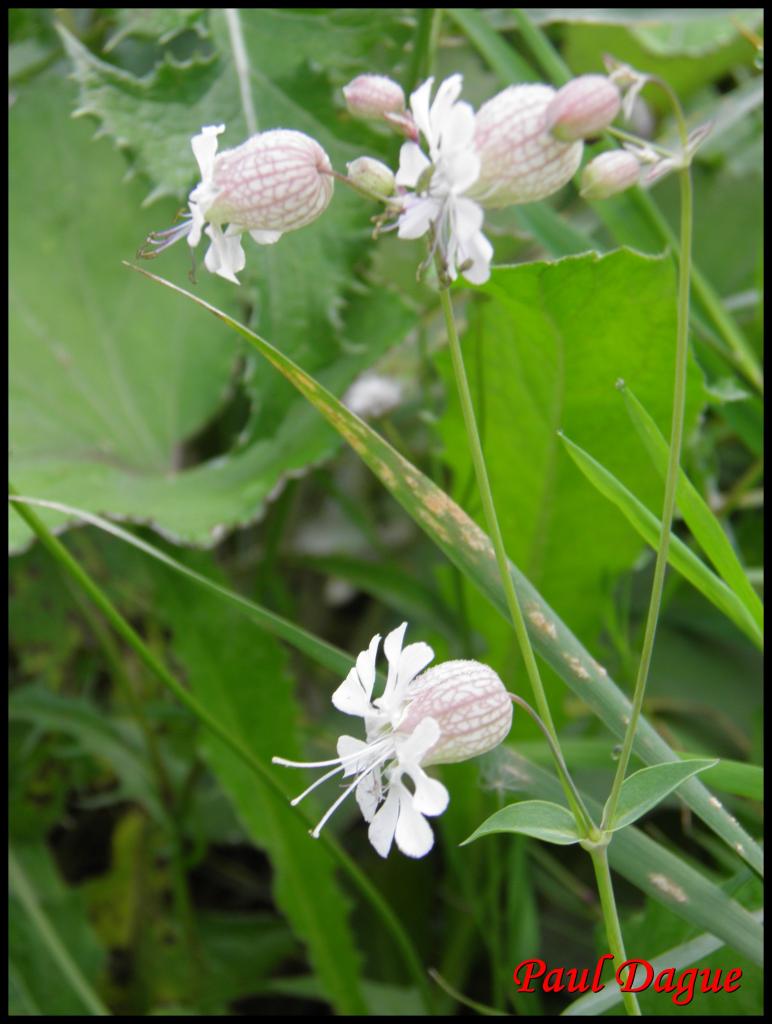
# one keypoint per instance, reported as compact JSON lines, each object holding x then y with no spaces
{"x":539,"y":819}
{"x":652,"y":867}
{"x":696,"y":512}
{"x":644,"y":789}
{"x":536,"y":366}
{"x":679,"y":555}
{"x":471,"y":551}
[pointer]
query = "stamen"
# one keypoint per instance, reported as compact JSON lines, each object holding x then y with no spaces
{"x":357,"y":756}
{"x":315,"y":832}
{"x":319,"y":781}
{"x":157,"y":241}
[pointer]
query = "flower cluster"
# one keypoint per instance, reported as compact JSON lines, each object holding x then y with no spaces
{"x":453,"y":711}
{"x":521,"y":146}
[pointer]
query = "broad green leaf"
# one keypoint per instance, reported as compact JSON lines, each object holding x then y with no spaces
{"x":644,"y":789}
{"x":471,"y":551}
{"x":537,"y":365}
{"x":246,"y":686}
{"x":649,"y":865}
{"x":679,"y":555}
{"x":698,"y":515}
{"x":539,"y":819}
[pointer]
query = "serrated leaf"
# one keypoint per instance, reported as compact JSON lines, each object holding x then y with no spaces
{"x":679,"y":555}
{"x":539,"y":819}
{"x":105,"y":386}
{"x":471,"y":551}
{"x":645,"y":788}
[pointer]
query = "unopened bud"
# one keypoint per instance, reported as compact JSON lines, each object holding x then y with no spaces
{"x":520,"y":162}
{"x":584,"y":107}
{"x":608,"y":174}
{"x":469,"y":703}
{"x":276,"y":181}
{"x":372,"y":176}
{"x":374,"y":96}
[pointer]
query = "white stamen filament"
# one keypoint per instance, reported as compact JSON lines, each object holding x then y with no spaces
{"x":339,"y":801}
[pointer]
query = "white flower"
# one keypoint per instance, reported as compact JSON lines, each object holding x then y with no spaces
{"x":449,"y":713}
{"x":274,"y":182}
{"x":440,"y":180}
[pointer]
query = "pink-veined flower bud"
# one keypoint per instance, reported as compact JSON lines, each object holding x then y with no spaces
{"x":373,"y":96}
{"x":584,"y":107}
{"x":520,"y":161}
{"x":274,"y":182}
{"x":609,"y":173}
{"x":372,"y":176}
{"x":469,"y":703}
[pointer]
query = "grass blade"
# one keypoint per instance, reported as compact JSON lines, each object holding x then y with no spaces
{"x":697,"y":514}
{"x":680,"y":556}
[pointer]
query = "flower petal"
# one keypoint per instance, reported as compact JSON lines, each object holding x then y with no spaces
{"x":413,"y":833}
{"x":412,"y":748}
{"x":430,"y":796}
{"x":416,"y":219}
{"x":366,"y":665}
{"x":225,"y":256}
{"x":350,"y":697}
{"x":204,"y":146}
{"x":413,"y":659}
{"x":369,"y":794}
{"x":419,"y":104}
{"x":384,"y":824}
{"x":412,"y":164}
{"x":347,"y":747}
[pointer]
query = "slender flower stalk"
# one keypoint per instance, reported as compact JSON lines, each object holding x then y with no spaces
{"x":671,"y":481}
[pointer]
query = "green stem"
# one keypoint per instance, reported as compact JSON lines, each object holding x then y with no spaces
{"x":23,"y":891}
{"x":494,"y":530}
{"x":122,"y":627}
{"x":557,"y":753}
{"x":671,"y":480}
{"x":599,"y":855}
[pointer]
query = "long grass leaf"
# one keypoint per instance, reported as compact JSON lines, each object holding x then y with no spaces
{"x":680,"y":556}
{"x":697,"y":513}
